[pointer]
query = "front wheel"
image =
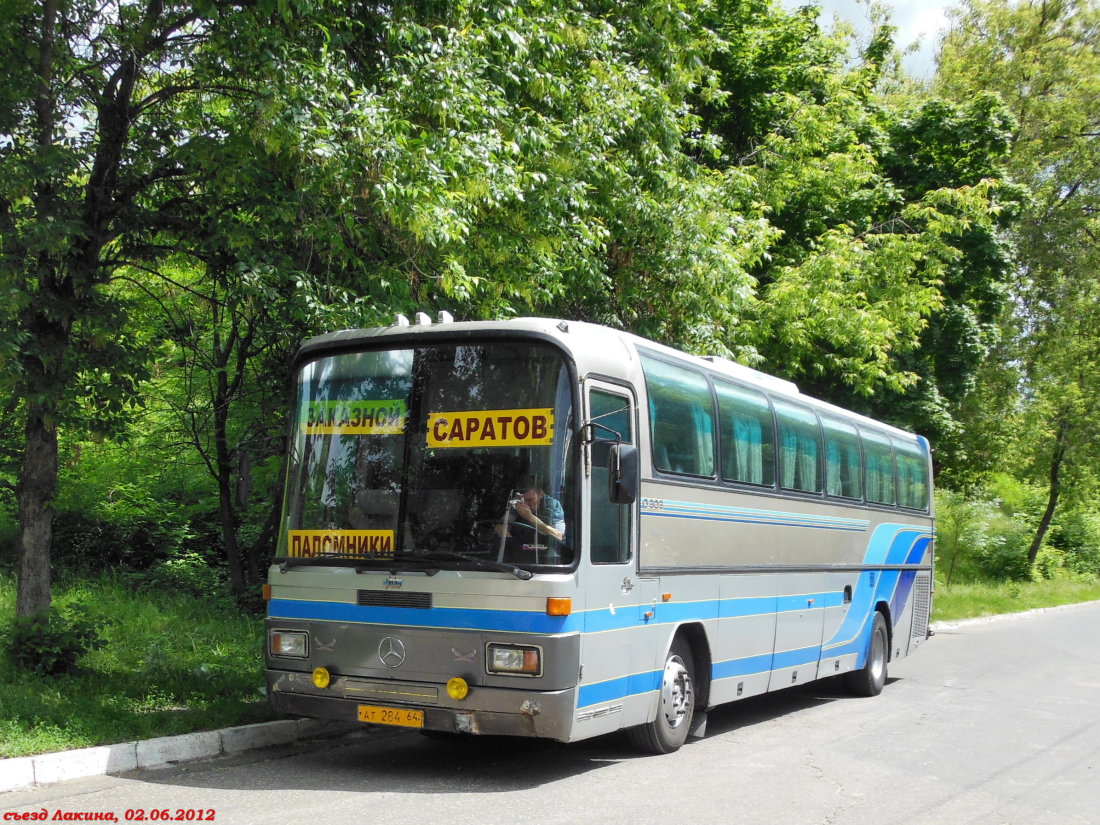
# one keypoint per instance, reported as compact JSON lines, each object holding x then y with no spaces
{"x":676,"y":709}
{"x":872,"y":678}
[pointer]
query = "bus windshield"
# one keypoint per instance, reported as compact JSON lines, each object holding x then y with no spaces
{"x":436,"y":456}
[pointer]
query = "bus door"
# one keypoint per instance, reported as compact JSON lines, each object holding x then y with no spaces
{"x":617,"y":656}
{"x":798,"y":629}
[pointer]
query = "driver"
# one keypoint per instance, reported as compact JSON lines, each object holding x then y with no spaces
{"x":542,"y":512}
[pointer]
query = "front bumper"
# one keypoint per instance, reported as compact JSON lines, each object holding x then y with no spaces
{"x":486,"y":710}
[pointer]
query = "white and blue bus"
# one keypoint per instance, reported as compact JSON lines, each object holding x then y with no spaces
{"x":550,"y":528}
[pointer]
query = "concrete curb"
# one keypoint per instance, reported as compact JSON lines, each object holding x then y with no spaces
{"x":25,"y":772}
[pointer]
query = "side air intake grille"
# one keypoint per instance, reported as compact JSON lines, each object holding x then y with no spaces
{"x":922,"y":598}
{"x":393,"y":598}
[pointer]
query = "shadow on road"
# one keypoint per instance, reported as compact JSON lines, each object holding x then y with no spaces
{"x":406,"y":762}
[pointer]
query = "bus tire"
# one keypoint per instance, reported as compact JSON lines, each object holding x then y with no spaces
{"x":870,"y":680}
{"x":676,"y":707}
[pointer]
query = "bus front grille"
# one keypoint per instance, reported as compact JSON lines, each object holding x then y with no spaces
{"x":393,"y":598}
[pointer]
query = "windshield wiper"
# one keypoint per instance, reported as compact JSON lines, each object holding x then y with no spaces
{"x":340,"y":559}
{"x":361,"y":564}
{"x":420,"y":559}
{"x":484,"y":564}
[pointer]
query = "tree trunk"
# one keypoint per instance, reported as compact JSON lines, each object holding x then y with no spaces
{"x":35,"y":493}
{"x":38,"y":476}
{"x":1056,"y":461}
{"x":224,"y":462}
{"x":262,"y":550}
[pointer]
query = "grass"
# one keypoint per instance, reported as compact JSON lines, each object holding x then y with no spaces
{"x":172,"y":663}
{"x":965,"y":601}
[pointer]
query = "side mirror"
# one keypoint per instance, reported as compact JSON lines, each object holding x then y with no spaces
{"x":624,"y":474}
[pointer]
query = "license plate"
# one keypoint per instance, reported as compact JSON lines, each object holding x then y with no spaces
{"x":391,"y":716}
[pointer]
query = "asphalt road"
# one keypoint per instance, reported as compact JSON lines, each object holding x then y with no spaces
{"x":995,"y":722}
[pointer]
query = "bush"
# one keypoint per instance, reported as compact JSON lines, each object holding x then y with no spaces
{"x":115,"y":536}
{"x":981,"y":538}
{"x":187,"y":574}
{"x":1076,"y":537}
{"x":1004,"y":556}
{"x":50,"y":642}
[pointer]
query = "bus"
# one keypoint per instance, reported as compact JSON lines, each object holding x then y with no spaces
{"x":548,"y":528}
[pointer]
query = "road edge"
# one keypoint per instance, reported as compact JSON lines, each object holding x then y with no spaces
{"x":25,"y":772}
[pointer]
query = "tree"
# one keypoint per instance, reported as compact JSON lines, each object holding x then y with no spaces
{"x":1043,"y":58}
{"x":106,"y":146}
{"x":878,"y":247}
{"x":68,"y":187}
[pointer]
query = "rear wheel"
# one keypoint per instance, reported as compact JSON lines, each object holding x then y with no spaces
{"x":676,"y":708}
{"x":872,"y":678}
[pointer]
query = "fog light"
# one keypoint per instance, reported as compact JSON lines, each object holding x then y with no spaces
{"x":321,"y":678}
{"x":457,"y":688}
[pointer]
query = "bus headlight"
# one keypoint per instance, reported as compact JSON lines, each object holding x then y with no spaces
{"x":290,"y":644}
{"x":519,"y":660}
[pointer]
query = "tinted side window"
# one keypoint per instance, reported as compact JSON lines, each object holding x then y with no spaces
{"x":843,"y":467}
{"x":912,"y":475}
{"x":611,"y":523}
{"x":612,"y":412}
{"x":681,"y":419}
{"x":799,"y":448}
{"x":747,"y":435}
{"x":879,"y":459}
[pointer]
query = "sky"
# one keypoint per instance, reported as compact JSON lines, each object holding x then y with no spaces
{"x":912,"y":17}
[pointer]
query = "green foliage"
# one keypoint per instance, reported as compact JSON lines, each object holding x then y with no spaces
{"x":51,"y":642}
{"x":171,"y":664}
{"x":980,"y":539}
{"x":985,"y":535}
{"x":1042,"y":60}
{"x":1074,"y":544}
{"x":187,"y":574}
{"x":722,"y":176}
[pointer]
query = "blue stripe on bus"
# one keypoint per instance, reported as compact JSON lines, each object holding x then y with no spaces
{"x":518,"y":621}
{"x":612,"y":690}
{"x":743,"y":515}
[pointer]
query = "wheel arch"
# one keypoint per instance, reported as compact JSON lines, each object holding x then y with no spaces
{"x":883,"y":608}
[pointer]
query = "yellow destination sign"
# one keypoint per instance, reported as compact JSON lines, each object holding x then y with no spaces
{"x":491,"y":428}
{"x":358,"y":417}
{"x":367,"y":544}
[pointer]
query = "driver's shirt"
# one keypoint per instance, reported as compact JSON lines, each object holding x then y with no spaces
{"x":550,"y":512}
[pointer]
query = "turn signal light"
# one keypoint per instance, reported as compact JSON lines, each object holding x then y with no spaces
{"x":559,"y":606}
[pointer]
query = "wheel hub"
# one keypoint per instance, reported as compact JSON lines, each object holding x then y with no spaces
{"x":676,"y":692}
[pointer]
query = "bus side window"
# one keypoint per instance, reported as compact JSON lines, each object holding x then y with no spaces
{"x":681,"y":414}
{"x":879,"y":460}
{"x":747,"y":435}
{"x":912,"y":475}
{"x":610,"y":533}
{"x":799,"y":448}
{"x":843,"y":467}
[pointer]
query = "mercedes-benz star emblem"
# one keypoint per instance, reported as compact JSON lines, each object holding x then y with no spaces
{"x":391,"y":651}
